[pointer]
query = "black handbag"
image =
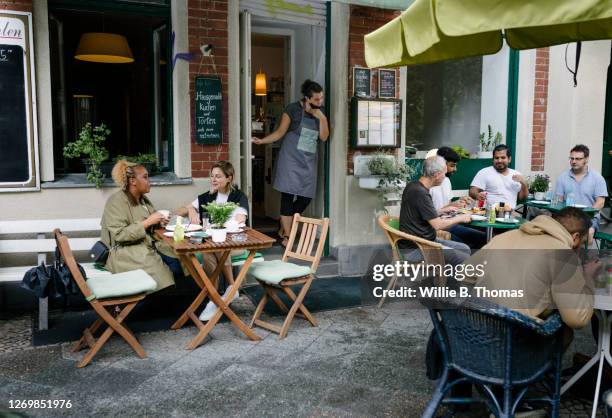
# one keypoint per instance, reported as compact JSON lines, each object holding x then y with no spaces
{"x":99,"y":253}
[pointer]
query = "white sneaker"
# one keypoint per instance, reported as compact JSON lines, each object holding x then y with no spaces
{"x":229,"y":288}
{"x":208,"y":311}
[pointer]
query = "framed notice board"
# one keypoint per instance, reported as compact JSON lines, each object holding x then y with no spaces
{"x":208,"y":110}
{"x":376,"y":123}
{"x":387,"y":84}
{"x":362,"y":82}
{"x":18,"y":131}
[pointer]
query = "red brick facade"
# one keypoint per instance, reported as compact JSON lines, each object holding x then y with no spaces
{"x":363,"y":20}
{"x":16,"y":5}
{"x":540,"y":105}
{"x":208,"y":25}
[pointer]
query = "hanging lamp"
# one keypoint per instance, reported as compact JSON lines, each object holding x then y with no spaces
{"x":260,"y":84}
{"x":109,"y":48}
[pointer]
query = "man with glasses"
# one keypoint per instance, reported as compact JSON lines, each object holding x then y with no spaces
{"x":586,"y":186}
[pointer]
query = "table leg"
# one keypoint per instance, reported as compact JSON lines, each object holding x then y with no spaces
{"x":604,"y":343}
{"x":489,"y":233}
{"x":190,"y":311}
{"x":222,"y":305}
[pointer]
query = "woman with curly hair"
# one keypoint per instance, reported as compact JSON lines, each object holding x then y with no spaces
{"x":127,"y":228}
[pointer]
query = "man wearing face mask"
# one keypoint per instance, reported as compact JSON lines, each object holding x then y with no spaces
{"x":302,"y":126}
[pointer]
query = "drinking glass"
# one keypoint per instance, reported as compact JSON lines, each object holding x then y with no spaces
{"x":205,"y":221}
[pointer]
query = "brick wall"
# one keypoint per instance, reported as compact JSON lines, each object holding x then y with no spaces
{"x":363,"y":20}
{"x":208,"y":25}
{"x":17,"y":5}
{"x":540,"y":105}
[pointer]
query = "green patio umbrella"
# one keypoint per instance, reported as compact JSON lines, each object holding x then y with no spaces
{"x":437,"y":30}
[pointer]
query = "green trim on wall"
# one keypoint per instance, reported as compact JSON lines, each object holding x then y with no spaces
{"x":133,"y":7}
{"x":328,"y":35}
{"x":466,"y":170}
{"x":513,"y":76}
{"x":606,"y":169}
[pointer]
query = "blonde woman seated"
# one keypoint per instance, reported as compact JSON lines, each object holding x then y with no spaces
{"x":222,"y":190}
{"x":127,"y":228}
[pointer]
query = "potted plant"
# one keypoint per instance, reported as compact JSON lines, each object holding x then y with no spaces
{"x":378,"y":166}
{"x":219,"y":214}
{"x":463,"y":153}
{"x":149,"y":161}
{"x":390,"y":180}
{"x":539,"y":186}
{"x":489,"y":143}
{"x":90,"y":144}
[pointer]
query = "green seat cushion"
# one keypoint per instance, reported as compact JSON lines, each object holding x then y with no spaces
{"x":276,"y":271}
{"x":241,"y":258}
{"x":121,"y":284}
{"x":394,"y":223}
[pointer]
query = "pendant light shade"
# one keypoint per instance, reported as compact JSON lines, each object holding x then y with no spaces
{"x":260,"y":85}
{"x":109,"y":48}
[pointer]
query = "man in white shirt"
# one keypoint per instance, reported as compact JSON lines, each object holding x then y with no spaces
{"x":441,"y":196}
{"x":499,"y":183}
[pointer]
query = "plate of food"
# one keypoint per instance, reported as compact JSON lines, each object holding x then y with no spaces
{"x":476,"y":217}
{"x":507,"y":221}
{"x":188,"y":228}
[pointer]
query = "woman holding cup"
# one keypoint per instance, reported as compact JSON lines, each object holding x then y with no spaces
{"x":222,"y":190}
{"x":128,"y":222}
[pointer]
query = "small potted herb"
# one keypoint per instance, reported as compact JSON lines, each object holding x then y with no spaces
{"x":149,"y":161}
{"x":489,"y":143}
{"x":219,"y":214}
{"x":539,"y":186}
{"x":90,"y":144}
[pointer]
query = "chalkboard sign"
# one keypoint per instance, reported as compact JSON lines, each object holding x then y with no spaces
{"x":361,"y":82}
{"x":386,"y":84}
{"x":208,"y":110}
{"x":18,"y":159}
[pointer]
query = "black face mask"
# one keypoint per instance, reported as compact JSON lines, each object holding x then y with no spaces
{"x":311,"y":105}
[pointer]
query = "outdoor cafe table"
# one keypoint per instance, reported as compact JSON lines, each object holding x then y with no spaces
{"x":556,"y":208}
{"x":497,"y":225}
{"x":603,"y":310}
{"x":186,"y":253}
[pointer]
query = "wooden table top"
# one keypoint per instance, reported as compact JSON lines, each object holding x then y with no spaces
{"x":255,"y":240}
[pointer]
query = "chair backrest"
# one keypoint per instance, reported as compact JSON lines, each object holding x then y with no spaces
{"x":68,"y":257}
{"x":508,"y":345}
{"x":432,"y":251}
{"x":305,"y":249}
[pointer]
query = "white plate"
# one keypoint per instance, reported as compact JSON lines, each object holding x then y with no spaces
{"x":236,"y":231}
{"x":187,"y":234}
{"x":479,"y":218}
{"x":541,"y":202}
{"x":192,"y":227}
{"x":507,"y":221}
{"x":577,"y":205}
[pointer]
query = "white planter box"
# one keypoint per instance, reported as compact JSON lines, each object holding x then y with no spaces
{"x":369,"y":182}
{"x":485,"y":154}
{"x":219,"y":234}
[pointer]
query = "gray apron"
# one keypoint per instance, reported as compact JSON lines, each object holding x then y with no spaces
{"x":296,"y":167}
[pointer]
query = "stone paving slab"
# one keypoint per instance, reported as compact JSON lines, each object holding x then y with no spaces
{"x":360,"y":362}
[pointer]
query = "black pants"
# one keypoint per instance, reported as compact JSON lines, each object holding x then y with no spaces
{"x":292,"y":204}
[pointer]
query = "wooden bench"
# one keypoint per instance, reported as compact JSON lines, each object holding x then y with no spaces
{"x":44,"y":244}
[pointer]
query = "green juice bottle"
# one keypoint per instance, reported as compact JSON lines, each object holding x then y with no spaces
{"x":491,"y":219}
{"x":179,"y":230}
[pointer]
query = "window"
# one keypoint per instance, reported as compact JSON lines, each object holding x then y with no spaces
{"x":133,"y":100}
{"x":443,"y":104}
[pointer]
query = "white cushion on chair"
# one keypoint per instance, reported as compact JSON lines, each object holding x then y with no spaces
{"x":276,"y":271}
{"x":122,"y":284}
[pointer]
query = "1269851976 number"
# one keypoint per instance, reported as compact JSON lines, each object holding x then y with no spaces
{"x":40,"y":404}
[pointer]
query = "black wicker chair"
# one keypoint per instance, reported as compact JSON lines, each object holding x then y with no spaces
{"x":497,"y":350}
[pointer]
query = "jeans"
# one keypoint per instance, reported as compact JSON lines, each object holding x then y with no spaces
{"x":173,"y":264}
{"x":474,"y":238}
{"x":456,"y":253}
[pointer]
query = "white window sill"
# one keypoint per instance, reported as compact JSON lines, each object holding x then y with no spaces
{"x":74,"y":181}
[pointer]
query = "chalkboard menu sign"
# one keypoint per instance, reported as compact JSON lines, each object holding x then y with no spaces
{"x":18,"y":159}
{"x":208,"y":110}
{"x":361,"y":82}
{"x":386,"y":84}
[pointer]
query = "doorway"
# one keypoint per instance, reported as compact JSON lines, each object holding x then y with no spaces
{"x":285,"y":53}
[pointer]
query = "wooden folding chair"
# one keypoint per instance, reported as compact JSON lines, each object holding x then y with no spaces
{"x":112,"y":297}
{"x":432,"y":251}
{"x":278,"y":275}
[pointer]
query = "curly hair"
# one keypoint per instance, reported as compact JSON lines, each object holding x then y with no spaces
{"x":122,"y":172}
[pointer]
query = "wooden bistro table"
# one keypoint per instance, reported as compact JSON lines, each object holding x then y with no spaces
{"x":186,"y":253}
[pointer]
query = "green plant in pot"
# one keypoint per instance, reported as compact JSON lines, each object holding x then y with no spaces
{"x":91,"y":145}
{"x":219,"y":214}
{"x":463,"y":153}
{"x":392,"y":178}
{"x":149,"y":161}
{"x":539,"y":185}
{"x":488,"y":143}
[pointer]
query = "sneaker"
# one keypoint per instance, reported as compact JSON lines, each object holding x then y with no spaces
{"x":208,"y":311}
{"x":236,"y":296}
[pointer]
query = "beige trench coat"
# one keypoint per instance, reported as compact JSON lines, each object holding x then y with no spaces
{"x":131,"y":247}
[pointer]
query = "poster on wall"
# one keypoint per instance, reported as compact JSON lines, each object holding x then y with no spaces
{"x":376,"y":123}
{"x":18,"y":131}
{"x":208,"y":110}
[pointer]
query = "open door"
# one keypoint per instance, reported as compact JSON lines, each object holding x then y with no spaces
{"x":245,"y":109}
